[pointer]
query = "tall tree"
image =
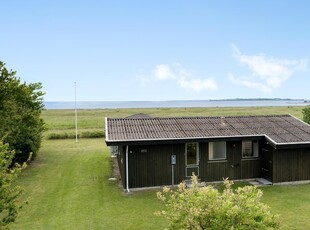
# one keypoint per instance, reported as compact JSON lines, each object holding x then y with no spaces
{"x":21,"y":105}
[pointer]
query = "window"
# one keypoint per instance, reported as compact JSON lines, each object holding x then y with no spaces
{"x":114,"y":150}
{"x":192,"y":169}
{"x":217,"y":150}
{"x":191,"y":153}
{"x":249,"y":149}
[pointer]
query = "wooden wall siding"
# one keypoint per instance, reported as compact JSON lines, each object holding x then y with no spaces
{"x":250,"y":168}
{"x":151,"y":165}
{"x":211,"y":170}
{"x":216,"y":171}
{"x":179,"y":168}
{"x":121,"y":164}
{"x":266,"y":156}
{"x":203,"y":161}
{"x":291,"y":165}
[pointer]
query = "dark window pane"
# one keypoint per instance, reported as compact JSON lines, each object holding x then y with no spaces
{"x":247,"y":149}
{"x":191,"y":153}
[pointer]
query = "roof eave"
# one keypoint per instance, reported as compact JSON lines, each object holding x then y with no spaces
{"x":179,"y":140}
{"x":292,"y":145}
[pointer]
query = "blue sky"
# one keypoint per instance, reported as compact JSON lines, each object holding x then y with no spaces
{"x":159,"y":50}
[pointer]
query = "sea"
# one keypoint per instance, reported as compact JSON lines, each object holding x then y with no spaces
{"x":174,"y":104}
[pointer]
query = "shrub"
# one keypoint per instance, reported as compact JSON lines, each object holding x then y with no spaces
{"x":207,"y":208}
{"x":71,"y":135}
{"x":93,"y":134}
{"x":306,"y":114}
{"x":21,"y":105}
{"x":9,"y":192}
{"x":53,"y":136}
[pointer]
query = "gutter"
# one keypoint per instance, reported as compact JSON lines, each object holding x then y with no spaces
{"x":106,"y":129}
{"x":123,"y":141}
{"x":127,"y":176}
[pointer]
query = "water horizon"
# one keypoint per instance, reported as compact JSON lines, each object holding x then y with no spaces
{"x":175,"y":103}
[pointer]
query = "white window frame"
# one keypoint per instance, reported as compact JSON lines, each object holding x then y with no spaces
{"x":192,"y":167}
{"x":210,"y":148}
{"x":254,"y":149}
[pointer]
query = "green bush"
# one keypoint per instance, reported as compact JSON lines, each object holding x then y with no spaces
{"x":93,"y":134}
{"x":21,"y":104}
{"x":71,"y":135}
{"x":306,"y":114}
{"x":10,"y":192}
{"x":207,"y":208}
{"x":55,"y":136}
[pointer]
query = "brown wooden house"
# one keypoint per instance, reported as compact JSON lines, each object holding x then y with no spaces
{"x":165,"y":151}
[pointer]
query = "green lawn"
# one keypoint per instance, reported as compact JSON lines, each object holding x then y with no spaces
{"x":292,"y":202}
{"x":67,"y":185}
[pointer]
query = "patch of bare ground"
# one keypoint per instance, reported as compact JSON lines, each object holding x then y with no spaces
{"x":116,"y":173}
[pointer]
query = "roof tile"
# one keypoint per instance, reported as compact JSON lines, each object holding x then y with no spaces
{"x":282,"y":129}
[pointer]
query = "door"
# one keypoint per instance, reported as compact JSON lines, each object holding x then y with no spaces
{"x":234,"y":152}
{"x":267,"y":163}
{"x":191,"y":159}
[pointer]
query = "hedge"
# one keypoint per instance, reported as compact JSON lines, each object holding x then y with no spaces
{"x":85,"y":134}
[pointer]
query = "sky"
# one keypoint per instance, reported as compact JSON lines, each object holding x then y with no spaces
{"x":159,"y":50}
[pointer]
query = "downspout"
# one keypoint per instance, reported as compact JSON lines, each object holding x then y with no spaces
{"x":127,"y":176}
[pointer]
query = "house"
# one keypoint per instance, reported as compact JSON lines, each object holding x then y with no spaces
{"x":156,"y":151}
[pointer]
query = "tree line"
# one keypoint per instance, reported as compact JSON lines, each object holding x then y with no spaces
{"x":21,"y":130}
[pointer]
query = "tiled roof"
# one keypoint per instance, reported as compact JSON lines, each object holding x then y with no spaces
{"x":280,"y":129}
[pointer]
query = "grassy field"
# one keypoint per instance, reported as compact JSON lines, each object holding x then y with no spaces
{"x":292,"y":202}
{"x":63,"y":120}
{"x":67,"y":186}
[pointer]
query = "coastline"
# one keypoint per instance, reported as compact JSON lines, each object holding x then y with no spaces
{"x":175,"y":103}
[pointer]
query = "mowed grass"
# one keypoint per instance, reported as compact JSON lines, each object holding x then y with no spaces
{"x":292,"y":202}
{"x":67,"y":185}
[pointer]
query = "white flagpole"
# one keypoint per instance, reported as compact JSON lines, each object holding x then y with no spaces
{"x":76,"y":124}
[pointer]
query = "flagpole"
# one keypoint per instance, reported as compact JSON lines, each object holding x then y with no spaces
{"x":76,"y":124}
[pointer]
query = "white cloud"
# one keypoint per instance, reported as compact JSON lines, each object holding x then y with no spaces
{"x":184,"y":78}
{"x":266,"y":72}
{"x":198,"y":84}
{"x":249,"y":83}
{"x":181,"y":76}
{"x":163,"y":72}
